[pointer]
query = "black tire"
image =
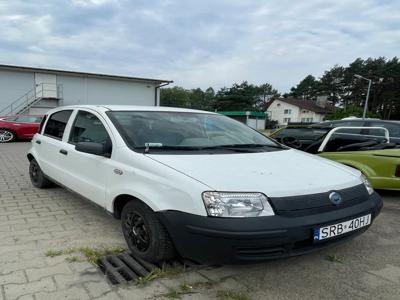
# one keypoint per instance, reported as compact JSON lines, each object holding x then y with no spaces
{"x":145,"y":235}
{"x":7,"y":136}
{"x":37,"y":177}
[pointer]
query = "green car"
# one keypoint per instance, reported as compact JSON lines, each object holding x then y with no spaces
{"x":374,"y":155}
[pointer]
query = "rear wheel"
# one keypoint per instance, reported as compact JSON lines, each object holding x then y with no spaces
{"x":145,"y":235}
{"x":6,"y":136}
{"x":37,"y":177}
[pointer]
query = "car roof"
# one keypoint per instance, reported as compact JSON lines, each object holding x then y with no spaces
{"x":361,"y":120}
{"x":104,"y":108}
{"x":15,"y":116}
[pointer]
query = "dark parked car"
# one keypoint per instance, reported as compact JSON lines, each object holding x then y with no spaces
{"x":392,"y":126}
{"x":18,"y":127}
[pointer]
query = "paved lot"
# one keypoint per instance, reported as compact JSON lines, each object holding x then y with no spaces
{"x":34,"y":221}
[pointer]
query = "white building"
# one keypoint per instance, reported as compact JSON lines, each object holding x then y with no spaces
{"x":26,"y":90}
{"x":289,"y":110}
{"x":254,"y":119}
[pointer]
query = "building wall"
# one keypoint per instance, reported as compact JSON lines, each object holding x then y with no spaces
{"x":77,"y":90}
{"x":13,"y":85}
{"x":256,"y":123}
{"x":276,"y":112}
{"x":83,"y":90}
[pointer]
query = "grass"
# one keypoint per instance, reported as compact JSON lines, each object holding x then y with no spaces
{"x":164,"y":272}
{"x":74,"y":258}
{"x":334,"y":258}
{"x":53,"y":253}
{"x":172,"y":294}
{"x":91,"y":255}
{"x":228,"y":294}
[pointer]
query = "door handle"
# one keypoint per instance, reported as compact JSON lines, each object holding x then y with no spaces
{"x":38,"y":142}
{"x":65,"y":152}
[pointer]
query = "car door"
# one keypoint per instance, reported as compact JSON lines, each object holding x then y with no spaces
{"x":27,"y":126}
{"x":87,"y":172}
{"x":48,"y":145}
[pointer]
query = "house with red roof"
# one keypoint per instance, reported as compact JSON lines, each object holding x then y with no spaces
{"x":291,"y":110}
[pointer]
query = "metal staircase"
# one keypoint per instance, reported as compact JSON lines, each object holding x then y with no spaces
{"x":40,"y":92}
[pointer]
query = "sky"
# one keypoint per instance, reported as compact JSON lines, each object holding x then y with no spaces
{"x":199,"y":43}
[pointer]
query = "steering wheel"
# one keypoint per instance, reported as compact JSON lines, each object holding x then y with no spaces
{"x":292,"y":142}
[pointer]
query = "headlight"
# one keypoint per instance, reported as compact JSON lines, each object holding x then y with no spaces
{"x":236,"y":205}
{"x":367,"y":184}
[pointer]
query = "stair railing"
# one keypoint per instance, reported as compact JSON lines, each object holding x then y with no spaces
{"x":38,"y":92}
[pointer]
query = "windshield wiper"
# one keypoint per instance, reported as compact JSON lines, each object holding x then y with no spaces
{"x":242,"y":146}
{"x":158,"y":146}
{"x":246,"y":148}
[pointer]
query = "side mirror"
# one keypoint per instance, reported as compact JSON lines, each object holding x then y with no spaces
{"x":92,"y":148}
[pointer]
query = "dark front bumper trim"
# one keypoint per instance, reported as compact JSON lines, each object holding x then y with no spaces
{"x":235,"y":240}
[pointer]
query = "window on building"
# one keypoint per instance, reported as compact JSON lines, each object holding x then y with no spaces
{"x":286,"y":120}
{"x":278,"y":104}
{"x":305,"y":111}
{"x":56,"y":124}
{"x":287,"y":111}
{"x":303,"y":120}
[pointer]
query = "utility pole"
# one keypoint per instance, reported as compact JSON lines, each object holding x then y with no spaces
{"x":367,"y":97}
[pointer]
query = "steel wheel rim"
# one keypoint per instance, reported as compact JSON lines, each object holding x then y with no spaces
{"x":34,"y":172}
{"x":137,"y":232}
{"x":5,"y":136}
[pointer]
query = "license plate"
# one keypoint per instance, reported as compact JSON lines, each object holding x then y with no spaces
{"x":330,"y":231}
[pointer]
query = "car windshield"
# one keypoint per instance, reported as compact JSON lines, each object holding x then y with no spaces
{"x":185,"y":131}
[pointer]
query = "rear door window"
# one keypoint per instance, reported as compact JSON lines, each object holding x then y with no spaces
{"x":56,"y":124}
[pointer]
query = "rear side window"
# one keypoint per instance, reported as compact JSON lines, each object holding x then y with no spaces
{"x":394,"y":129}
{"x":350,"y":124}
{"x":56,"y":124}
{"x":28,"y":119}
{"x":88,"y":128}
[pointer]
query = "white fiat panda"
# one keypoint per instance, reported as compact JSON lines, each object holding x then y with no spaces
{"x":198,"y":184}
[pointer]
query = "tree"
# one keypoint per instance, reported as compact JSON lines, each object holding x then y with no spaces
{"x":350,"y":111}
{"x":175,"y":96}
{"x":242,"y":96}
{"x":266,"y":93}
{"x":308,"y":88}
{"x":346,"y":91}
{"x":333,"y":84}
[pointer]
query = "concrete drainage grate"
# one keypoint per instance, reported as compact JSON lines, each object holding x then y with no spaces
{"x":124,"y":267}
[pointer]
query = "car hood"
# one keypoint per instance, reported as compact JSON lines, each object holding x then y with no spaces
{"x":387,"y":152}
{"x":276,"y":173}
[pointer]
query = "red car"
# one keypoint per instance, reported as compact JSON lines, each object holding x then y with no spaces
{"x":18,"y":127}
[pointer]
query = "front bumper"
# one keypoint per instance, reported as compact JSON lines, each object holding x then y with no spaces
{"x":240,"y":240}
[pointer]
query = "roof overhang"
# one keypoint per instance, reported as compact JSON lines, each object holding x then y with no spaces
{"x":82,"y":74}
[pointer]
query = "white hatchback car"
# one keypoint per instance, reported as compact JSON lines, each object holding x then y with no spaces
{"x":199,"y":184}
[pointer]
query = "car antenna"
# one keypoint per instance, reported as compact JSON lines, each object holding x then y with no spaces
{"x":148,"y":145}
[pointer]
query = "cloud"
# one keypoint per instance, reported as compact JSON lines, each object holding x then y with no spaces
{"x":198,"y":43}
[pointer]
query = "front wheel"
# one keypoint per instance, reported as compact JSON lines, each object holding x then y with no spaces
{"x":6,"y":136}
{"x":145,"y":235}
{"x":37,"y":177}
